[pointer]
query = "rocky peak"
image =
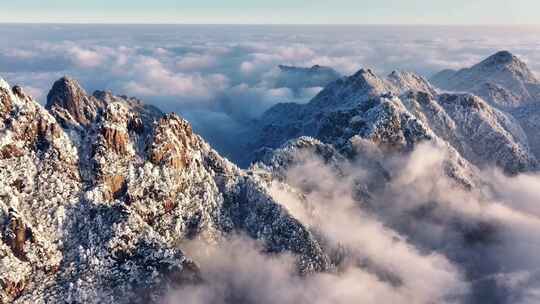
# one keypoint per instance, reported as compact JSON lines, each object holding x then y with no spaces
{"x":95,"y":221}
{"x":24,"y":124}
{"x":510,"y":82}
{"x":505,"y":60}
{"x":66,"y":94}
{"x":501,"y":57}
{"x":406,"y":81}
{"x":12,"y":94}
{"x":365,"y":76}
{"x":172,"y":143}
{"x":351,"y":91}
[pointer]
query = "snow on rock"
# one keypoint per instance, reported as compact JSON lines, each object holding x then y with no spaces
{"x":98,"y":193}
{"x":502,"y":79}
{"x":528,"y":117}
{"x":68,"y":95}
{"x":407,"y":81}
{"x":397,"y":113}
{"x":482,"y":134}
{"x":506,"y":83}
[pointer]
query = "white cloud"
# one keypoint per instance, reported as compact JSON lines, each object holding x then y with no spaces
{"x":461,"y":246}
{"x":19,"y":54}
{"x":85,"y":58}
{"x":227,"y":80}
{"x":247,"y":67}
{"x":152,"y":78}
{"x":172,"y":69}
{"x":194,"y":62}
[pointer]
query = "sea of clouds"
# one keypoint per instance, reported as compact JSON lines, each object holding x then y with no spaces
{"x":422,"y":239}
{"x":427,"y":241}
{"x":220,"y":77}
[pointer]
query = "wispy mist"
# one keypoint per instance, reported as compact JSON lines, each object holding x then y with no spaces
{"x":423,"y":238}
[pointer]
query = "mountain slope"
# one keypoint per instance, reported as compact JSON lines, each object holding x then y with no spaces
{"x":528,"y":117}
{"x":502,"y":79}
{"x":99,"y":192}
{"x":397,"y":113}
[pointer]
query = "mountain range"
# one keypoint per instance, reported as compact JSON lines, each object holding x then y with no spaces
{"x":403,"y":109}
{"x":98,"y":192}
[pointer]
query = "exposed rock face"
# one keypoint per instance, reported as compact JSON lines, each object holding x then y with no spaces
{"x":68,"y":95}
{"x":503,"y":80}
{"x":16,"y":234}
{"x":173,"y":139}
{"x":98,"y":194}
{"x":116,"y":140}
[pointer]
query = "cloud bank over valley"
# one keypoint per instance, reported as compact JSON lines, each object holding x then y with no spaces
{"x":221,"y":77}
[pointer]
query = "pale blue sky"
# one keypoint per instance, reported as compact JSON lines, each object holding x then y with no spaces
{"x":274,"y":11}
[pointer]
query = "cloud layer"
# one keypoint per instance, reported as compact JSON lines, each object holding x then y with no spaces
{"x":230,"y":71}
{"x":422,"y":239}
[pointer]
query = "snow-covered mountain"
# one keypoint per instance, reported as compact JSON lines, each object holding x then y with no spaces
{"x":502,"y":79}
{"x":99,"y":192}
{"x":364,"y":128}
{"x":397,"y":112}
{"x":505,"y":82}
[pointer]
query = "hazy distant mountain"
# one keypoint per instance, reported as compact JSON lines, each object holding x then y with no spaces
{"x":298,"y":78}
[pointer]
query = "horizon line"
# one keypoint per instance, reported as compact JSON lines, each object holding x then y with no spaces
{"x":271,"y":24}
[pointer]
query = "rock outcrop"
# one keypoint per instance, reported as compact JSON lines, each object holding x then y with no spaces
{"x":99,"y":192}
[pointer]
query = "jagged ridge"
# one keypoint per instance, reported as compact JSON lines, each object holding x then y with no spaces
{"x":502,"y":79}
{"x":99,"y":192}
{"x":396,"y":113}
